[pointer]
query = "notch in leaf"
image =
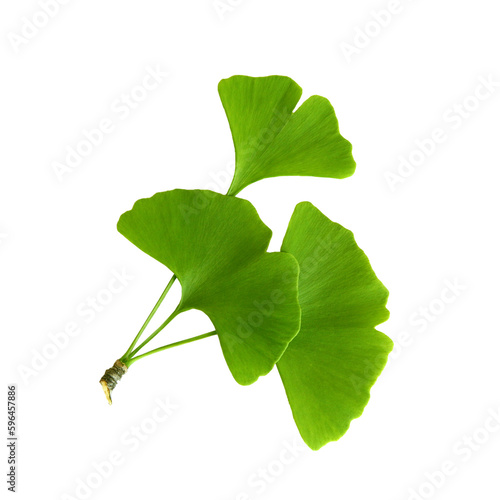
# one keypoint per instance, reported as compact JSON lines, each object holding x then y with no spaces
{"x":271,"y":140}
{"x":216,"y":246}
{"x":330,"y":366}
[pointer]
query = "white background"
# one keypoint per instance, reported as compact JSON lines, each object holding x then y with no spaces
{"x":59,"y":245}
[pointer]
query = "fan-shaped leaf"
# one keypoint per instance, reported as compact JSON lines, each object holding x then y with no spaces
{"x":270,"y":140}
{"x":216,"y":245}
{"x":330,"y":366}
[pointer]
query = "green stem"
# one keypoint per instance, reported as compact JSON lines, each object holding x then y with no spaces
{"x":151,"y":314}
{"x":153,"y":335}
{"x":169,"y":346}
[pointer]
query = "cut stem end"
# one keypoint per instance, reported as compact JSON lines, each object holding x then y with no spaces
{"x":111,"y":378}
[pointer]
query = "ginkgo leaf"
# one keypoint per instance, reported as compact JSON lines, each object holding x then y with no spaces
{"x":216,"y":246}
{"x":271,"y":140}
{"x":330,"y":366}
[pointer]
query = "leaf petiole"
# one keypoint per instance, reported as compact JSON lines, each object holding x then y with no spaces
{"x":175,"y":344}
{"x":149,"y":318}
{"x":152,"y":336}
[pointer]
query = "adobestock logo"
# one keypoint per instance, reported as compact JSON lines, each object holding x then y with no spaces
{"x":462,"y":451}
{"x":426,"y":315}
{"x":436,"y":307}
{"x":261,"y":140}
{"x":453,"y":118}
{"x":367,"y":32}
{"x":59,"y":340}
{"x":130,"y":441}
{"x":223,"y":7}
{"x":31,"y":27}
{"x":265,"y":476}
{"x":255,"y":318}
{"x":121,"y":109}
{"x":262,"y":310}
{"x":422,"y":319}
{"x":219,"y":183}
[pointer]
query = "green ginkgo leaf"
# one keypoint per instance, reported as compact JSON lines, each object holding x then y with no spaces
{"x":216,"y":246}
{"x":330,"y":366}
{"x":271,"y":140}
